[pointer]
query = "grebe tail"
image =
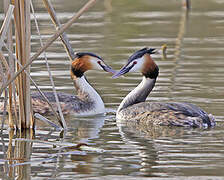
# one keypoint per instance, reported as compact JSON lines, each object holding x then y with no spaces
{"x":134,"y":108}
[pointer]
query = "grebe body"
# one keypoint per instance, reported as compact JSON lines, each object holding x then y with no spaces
{"x":134,"y":108}
{"x":87,"y":101}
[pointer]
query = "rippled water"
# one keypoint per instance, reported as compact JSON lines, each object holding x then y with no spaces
{"x":193,"y":72}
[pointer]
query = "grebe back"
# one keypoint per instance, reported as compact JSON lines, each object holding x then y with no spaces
{"x":134,"y":108}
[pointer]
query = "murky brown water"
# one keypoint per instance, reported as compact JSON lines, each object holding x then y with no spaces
{"x":193,"y":72}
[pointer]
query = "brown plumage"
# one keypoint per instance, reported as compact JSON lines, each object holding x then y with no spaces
{"x":82,"y":64}
{"x":149,"y":65}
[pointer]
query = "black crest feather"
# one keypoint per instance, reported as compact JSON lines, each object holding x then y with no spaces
{"x":80,"y":54}
{"x":140,"y":53}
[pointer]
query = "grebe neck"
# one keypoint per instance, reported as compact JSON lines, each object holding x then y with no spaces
{"x":139,"y":94}
{"x":87,"y":93}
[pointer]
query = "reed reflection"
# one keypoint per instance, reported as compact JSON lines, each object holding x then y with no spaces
{"x":19,"y":152}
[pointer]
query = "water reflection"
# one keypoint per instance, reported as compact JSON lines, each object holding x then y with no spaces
{"x":86,"y":128}
{"x":21,"y":155}
{"x":143,"y":147}
{"x":149,"y":131}
{"x":176,"y":148}
{"x":18,"y":152}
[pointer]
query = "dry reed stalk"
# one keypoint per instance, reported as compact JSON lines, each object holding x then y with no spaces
{"x":3,"y":80}
{"x":12,"y":93}
{"x":3,"y":32}
{"x":62,"y":120}
{"x":29,"y":111}
{"x":10,"y":68}
{"x":2,"y":75}
{"x":5,"y":24}
{"x":51,"y":40}
{"x":57,"y":24}
{"x":22,"y":32}
{"x":41,"y":93}
{"x":5,"y":95}
{"x":45,"y":120}
{"x":19,"y":54}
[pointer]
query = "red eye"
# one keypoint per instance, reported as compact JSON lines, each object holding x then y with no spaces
{"x":135,"y":62}
{"x":98,"y":62}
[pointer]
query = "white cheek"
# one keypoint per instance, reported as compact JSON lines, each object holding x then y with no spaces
{"x":95,"y":64}
{"x":138,"y":66}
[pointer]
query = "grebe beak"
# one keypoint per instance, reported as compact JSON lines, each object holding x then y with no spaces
{"x":124,"y":70}
{"x":107,"y":68}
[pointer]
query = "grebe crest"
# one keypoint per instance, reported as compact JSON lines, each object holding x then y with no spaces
{"x":134,"y":108}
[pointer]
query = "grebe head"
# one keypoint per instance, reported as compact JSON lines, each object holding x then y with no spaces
{"x":85,"y":61}
{"x":140,"y":61}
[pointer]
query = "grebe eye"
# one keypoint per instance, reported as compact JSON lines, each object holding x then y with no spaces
{"x":98,"y":62}
{"x":135,"y":62}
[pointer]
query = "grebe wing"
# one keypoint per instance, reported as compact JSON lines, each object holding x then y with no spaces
{"x":187,"y":109}
{"x":174,"y":114}
{"x":62,"y":97}
{"x":68,"y":103}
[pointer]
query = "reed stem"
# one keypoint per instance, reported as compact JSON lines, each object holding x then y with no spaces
{"x":23,"y":34}
{"x":6,"y":31}
{"x":6,"y":24}
{"x":57,"y":24}
{"x":62,"y":120}
{"x":51,"y":40}
{"x":41,"y":93}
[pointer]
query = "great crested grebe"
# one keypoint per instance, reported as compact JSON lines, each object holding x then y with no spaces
{"x":87,"y":101}
{"x":134,"y":108}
